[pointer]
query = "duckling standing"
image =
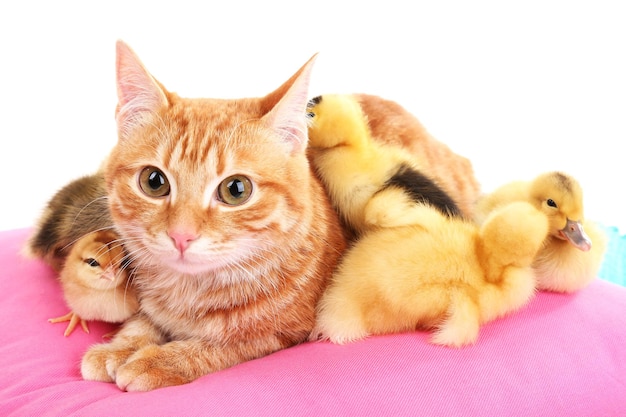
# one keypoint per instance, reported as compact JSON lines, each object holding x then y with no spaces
{"x":573,"y":251}
{"x":95,"y":282}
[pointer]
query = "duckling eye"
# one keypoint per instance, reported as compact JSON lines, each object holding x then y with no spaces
{"x":551,"y":203}
{"x":235,"y":190}
{"x":92,"y":262}
{"x":153,"y":182}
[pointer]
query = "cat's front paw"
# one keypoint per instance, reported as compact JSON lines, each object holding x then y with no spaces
{"x":150,"y":368}
{"x":102,"y":361}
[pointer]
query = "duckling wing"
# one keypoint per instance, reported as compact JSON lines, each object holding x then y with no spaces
{"x":505,"y":194}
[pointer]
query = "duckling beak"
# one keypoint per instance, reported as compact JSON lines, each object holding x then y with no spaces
{"x":575,"y":234}
{"x":108,"y":275}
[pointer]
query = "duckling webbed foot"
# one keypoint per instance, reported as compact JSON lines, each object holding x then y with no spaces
{"x":73,"y":319}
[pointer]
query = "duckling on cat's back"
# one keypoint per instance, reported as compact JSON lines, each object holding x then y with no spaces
{"x":574,"y":248}
{"x":371,"y":183}
{"x":416,"y":262}
{"x":95,"y":282}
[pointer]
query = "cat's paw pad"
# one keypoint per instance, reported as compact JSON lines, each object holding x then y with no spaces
{"x":101,"y":362}
{"x":150,"y":368}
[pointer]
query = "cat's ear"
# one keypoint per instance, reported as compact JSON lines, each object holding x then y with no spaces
{"x":286,"y":108}
{"x":139,"y":94}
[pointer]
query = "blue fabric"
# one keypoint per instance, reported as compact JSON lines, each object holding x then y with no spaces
{"x":613,"y":267}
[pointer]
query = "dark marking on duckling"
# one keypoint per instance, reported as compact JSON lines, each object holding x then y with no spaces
{"x":564,"y":181}
{"x":422,"y":189}
{"x":312,"y":103}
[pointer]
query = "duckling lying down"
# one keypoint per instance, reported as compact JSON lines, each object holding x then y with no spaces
{"x":416,"y":263}
{"x":572,"y":253}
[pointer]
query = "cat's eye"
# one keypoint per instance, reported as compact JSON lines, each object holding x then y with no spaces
{"x":551,"y":203}
{"x":235,"y":190}
{"x":153,"y":182}
{"x":92,"y":262}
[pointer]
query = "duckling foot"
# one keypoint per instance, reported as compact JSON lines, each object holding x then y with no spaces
{"x":73,"y":319}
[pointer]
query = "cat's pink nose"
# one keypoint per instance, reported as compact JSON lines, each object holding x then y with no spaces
{"x":182,"y":239}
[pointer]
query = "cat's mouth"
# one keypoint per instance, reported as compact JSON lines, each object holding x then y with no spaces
{"x":198,"y":258}
{"x":189,"y":268}
{"x":188,"y":263}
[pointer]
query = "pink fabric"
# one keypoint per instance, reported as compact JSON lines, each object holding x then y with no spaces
{"x":563,"y":355}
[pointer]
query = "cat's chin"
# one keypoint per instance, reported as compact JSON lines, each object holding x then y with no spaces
{"x":187,"y":267}
{"x":193,"y":262}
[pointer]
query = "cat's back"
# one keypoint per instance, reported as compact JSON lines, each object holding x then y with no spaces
{"x":393,"y":124}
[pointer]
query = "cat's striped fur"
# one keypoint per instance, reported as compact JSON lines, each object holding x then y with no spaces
{"x":231,"y":233}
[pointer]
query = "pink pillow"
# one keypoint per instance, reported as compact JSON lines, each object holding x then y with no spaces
{"x":562,"y":355}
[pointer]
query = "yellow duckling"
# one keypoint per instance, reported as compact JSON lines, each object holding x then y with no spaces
{"x":416,"y":263}
{"x":95,"y":282}
{"x":573,"y":251}
{"x":370,"y":183}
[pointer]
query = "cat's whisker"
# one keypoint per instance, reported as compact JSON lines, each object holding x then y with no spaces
{"x":73,"y":242}
{"x":95,"y":200}
{"x":202,"y":284}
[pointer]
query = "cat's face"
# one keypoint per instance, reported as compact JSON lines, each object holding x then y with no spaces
{"x":198,"y":185}
{"x":198,"y":193}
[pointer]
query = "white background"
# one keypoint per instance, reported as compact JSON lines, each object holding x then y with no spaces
{"x":518,"y":87}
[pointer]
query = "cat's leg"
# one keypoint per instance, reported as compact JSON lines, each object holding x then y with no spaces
{"x":101,"y":361}
{"x":182,"y":361}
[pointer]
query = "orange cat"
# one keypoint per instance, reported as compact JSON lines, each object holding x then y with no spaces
{"x":232,"y":235}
